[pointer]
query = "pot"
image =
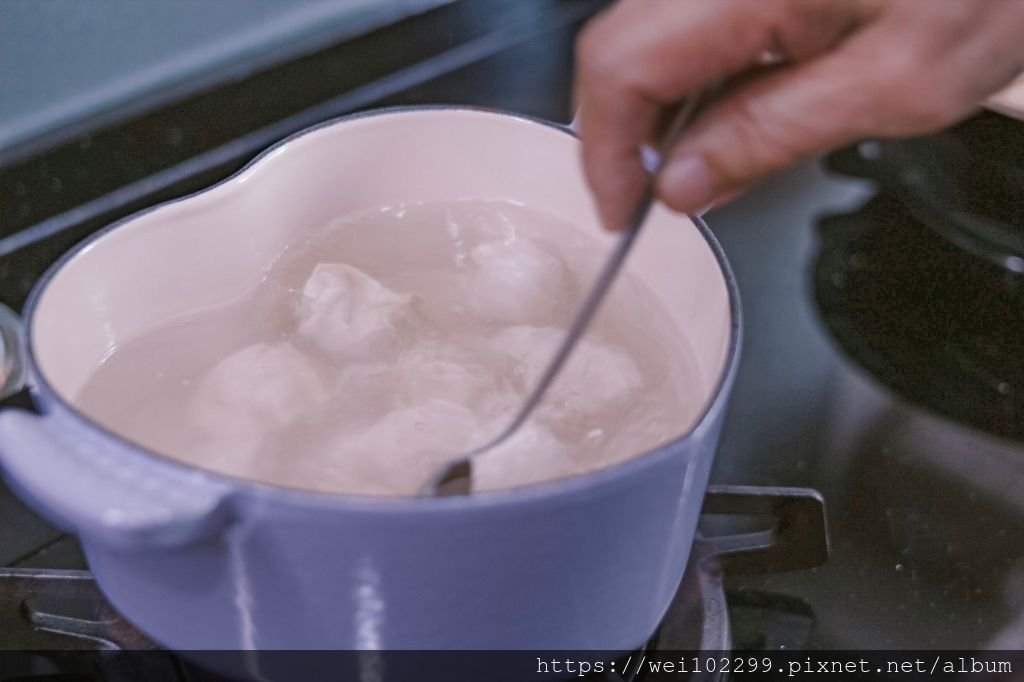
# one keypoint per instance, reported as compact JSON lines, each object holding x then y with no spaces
{"x":201,"y":560}
{"x":1009,"y":100}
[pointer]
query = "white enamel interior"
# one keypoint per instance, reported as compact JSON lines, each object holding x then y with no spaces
{"x":1009,"y":100}
{"x":214,"y":246}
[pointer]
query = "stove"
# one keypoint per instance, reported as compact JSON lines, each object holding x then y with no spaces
{"x":927,"y":541}
{"x":882,"y":289}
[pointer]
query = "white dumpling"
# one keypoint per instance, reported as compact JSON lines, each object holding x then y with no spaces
{"x":256,"y":390}
{"x":647,"y":430}
{"x":364,"y":390}
{"x":596,"y":376}
{"x":428,"y":370}
{"x":516,"y":281}
{"x":399,"y":452}
{"x":231,"y":453}
{"x":435,"y":370}
{"x":343,"y":310}
{"x":530,"y":455}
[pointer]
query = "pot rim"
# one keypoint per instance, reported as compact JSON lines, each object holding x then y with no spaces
{"x":607,"y":475}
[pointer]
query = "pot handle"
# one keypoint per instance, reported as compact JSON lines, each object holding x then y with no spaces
{"x":798,"y":538}
{"x":92,"y":485}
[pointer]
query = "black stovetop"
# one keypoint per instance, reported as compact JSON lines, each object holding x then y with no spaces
{"x":925,"y":553}
{"x":878,"y":590}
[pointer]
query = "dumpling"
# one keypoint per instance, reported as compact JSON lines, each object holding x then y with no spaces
{"x":647,"y":430}
{"x":258,"y":389}
{"x":365,"y":389}
{"x":398,"y":453}
{"x":530,"y":455}
{"x":426,"y":371}
{"x":596,"y":376}
{"x":343,"y":310}
{"x":449,"y":372}
{"x":235,"y":453}
{"x":516,"y":281}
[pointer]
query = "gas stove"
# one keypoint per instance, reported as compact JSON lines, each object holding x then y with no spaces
{"x":882,"y":367}
{"x":926,"y":547}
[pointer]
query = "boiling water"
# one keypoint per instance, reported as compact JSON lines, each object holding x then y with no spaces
{"x":392,"y":339}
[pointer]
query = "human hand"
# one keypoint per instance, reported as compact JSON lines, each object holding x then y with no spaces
{"x":849,"y":69}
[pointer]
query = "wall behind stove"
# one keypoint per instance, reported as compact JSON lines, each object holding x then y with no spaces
{"x":62,"y":61}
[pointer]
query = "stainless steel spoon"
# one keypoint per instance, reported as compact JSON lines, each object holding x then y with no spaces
{"x":456,"y":476}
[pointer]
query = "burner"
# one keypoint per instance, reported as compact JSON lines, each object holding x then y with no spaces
{"x":924,"y":285}
{"x":944,"y":330}
{"x":43,"y":610}
{"x":964,"y":183}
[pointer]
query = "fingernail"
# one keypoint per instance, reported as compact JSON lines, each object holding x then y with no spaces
{"x":689,"y":183}
{"x":608,"y":218}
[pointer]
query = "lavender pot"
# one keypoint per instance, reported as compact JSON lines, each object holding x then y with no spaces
{"x":201,"y":560}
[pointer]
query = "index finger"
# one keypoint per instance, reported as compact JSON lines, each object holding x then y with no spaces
{"x":642,"y":56}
